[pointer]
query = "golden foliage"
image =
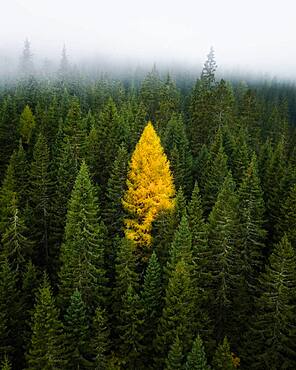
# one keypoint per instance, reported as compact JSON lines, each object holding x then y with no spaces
{"x":235,"y":360}
{"x":150,"y":187}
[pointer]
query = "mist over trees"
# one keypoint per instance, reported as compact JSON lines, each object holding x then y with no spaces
{"x":147,"y":221}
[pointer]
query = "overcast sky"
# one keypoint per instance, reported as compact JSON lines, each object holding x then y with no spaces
{"x":252,"y":34}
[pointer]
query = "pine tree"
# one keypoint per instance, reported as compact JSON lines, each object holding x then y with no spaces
{"x":64,"y":68}
{"x":40,"y":199}
{"x":150,"y":187}
{"x":76,"y":331}
{"x":130,"y":329}
{"x":100,"y":342}
{"x":272,"y":335}
{"x":27,"y":124}
{"x":47,"y":345}
{"x":288,"y":218}
{"x":82,"y":254}
{"x":196,"y":359}
{"x":175,"y":356}
{"x":223,"y":358}
{"x":209,"y":69}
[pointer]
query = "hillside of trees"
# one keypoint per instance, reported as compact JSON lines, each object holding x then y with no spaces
{"x":147,"y":223}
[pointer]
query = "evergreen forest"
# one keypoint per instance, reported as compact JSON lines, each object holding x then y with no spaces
{"x":147,"y":222}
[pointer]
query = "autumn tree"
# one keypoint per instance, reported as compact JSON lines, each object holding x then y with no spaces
{"x":150,"y":187}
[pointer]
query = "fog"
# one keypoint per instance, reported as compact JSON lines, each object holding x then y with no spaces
{"x":253,"y":35}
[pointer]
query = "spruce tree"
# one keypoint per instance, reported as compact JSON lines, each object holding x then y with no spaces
{"x":152,"y":303}
{"x":47,"y":349}
{"x":196,"y":359}
{"x":82,"y":254}
{"x":175,"y":356}
{"x":6,"y":364}
{"x":114,"y":212}
{"x":100,"y":341}
{"x":27,"y":124}
{"x":272,"y":336}
{"x":177,"y":314}
{"x":130,"y":329}
{"x":223,"y":357}
{"x":40,"y":199}
{"x":224,"y":263}
{"x":76,"y":331}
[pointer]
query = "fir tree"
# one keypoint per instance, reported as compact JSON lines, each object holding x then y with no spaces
{"x":130,"y":329}
{"x":152,"y":303}
{"x":196,"y":359}
{"x":223,"y":357}
{"x":272,"y":336}
{"x":175,"y":356}
{"x":177,"y":313}
{"x":82,"y":254}
{"x":47,"y":345}
{"x":27,"y":124}
{"x":224,"y":264}
{"x":100,"y":341}
{"x":40,"y":199}
{"x":6,"y":364}
{"x":76,"y":330}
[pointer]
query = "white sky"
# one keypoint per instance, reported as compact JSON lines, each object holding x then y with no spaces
{"x":253,"y":34}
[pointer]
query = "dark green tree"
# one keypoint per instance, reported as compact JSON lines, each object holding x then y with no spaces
{"x":76,"y":331}
{"x":82,"y":254}
{"x":130,"y":329}
{"x":47,"y":349}
{"x":196,"y":359}
{"x":175,"y":356}
{"x":272,"y":336}
{"x":223,"y":357}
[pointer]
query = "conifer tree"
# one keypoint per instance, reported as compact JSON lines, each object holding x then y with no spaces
{"x":9,"y":308}
{"x":125,"y":272}
{"x":82,"y":254}
{"x":288,"y":218}
{"x":76,"y":331}
{"x":6,"y":364}
{"x":181,"y":247}
{"x":100,"y":341}
{"x":47,"y":345}
{"x":130,"y":329}
{"x":177,"y":313}
{"x":223,"y":358}
{"x":26,"y":65}
{"x":150,"y":187}
{"x":216,"y":172}
{"x":177,"y":146}
{"x":114,"y":212}
{"x":40,"y":199}
{"x":224,"y":263}
{"x":251,"y":235}
{"x":16,"y":246}
{"x":175,"y":356}
{"x":196,"y":359}
{"x":152,"y":303}
{"x":8,"y":132}
{"x":272,"y":335}
{"x":27,"y":124}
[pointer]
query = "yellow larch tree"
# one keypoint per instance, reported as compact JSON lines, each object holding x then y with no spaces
{"x":150,"y":187}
